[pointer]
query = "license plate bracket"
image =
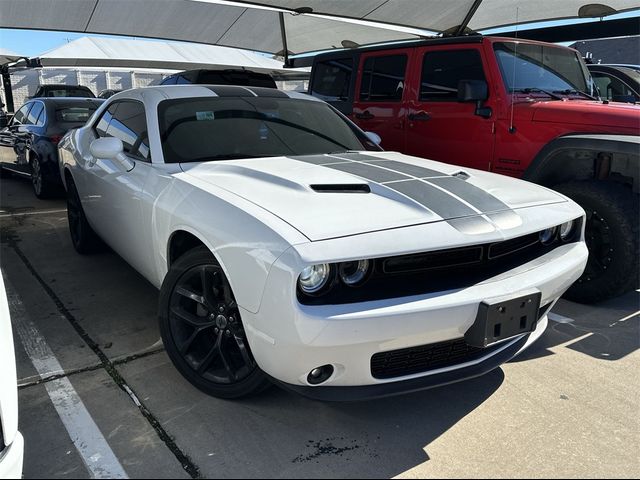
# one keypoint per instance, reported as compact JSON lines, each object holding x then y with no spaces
{"x":502,"y":318}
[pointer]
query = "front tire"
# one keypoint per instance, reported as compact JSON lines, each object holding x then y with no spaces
{"x":612,"y":236}
{"x":202,"y":330}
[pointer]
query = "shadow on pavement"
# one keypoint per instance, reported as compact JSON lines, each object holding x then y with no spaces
{"x":607,"y":331}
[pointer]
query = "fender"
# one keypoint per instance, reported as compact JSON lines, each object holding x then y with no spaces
{"x":583,"y":154}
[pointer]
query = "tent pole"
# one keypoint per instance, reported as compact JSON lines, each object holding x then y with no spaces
{"x":467,"y":19}
{"x":285,"y":48}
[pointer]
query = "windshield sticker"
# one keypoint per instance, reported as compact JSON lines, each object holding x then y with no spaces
{"x":205,"y":116}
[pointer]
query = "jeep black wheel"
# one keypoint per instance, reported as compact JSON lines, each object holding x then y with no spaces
{"x":202,"y":330}
{"x":612,"y":236}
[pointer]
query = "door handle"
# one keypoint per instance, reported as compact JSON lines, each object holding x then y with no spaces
{"x":365,"y":115}
{"x":419,"y":116}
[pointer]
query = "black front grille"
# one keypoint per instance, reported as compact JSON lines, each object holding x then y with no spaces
{"x":409,"y":361}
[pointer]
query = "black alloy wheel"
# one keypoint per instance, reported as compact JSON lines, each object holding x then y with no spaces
{"x":37,"y":180}
{"x":202,"y":330}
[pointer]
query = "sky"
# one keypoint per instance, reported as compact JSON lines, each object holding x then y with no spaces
{"x":32,"y":43}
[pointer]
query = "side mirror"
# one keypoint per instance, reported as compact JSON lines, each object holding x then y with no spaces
{"x":106,"y":147}
{"x":22,"y":129}
{"x":374,"y":137}
{"x":475,"y":91}
{"x":472,"y":91}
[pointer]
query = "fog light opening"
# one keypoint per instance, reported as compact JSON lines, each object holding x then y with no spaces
{"x":320,"y":374}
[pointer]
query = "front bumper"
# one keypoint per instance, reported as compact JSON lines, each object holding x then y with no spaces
{"x":11,"y":459}
{"x":289,"y":340}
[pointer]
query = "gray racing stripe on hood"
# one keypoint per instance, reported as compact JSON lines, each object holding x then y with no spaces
{"x":368,"y":171}
{"x":447,"y":196}
{"x":433,"y":198}
{"x":480,"y":199}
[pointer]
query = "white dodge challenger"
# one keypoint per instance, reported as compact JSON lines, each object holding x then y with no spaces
{"x":289,"y":248}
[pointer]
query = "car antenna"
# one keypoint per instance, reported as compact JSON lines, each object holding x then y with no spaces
{"x":512,"y":129}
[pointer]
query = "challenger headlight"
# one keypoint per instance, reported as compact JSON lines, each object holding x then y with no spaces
{"x":567,"y":230}
{"x":354,"y":273}
{"x":314,"y":278}
{"x":548,"y":235}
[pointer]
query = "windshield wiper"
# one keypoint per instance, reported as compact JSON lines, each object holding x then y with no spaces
{"x":536,"y":90}
{"x":575,"y":92}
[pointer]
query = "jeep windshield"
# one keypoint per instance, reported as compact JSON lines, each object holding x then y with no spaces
{"x":215,"y":128}
{"x":533,"y":68}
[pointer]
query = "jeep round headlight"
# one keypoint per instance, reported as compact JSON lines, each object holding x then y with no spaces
{"x":567,"y":229}
{"x":314,"y":277}
{"x":548,"y":236}
{"x":353,"y":273}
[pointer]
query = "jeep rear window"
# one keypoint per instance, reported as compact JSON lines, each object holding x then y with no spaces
{"x":331,"y":79}
{"x":223,"y":128}
{"x":531,"y":66}
{"x":441,"y":72}
{"x":383,"y":78}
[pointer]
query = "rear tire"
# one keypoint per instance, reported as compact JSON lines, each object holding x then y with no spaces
{"x":42,"y":186}
{"x":612,"y":236}
{"x":202,"y":330}
{"x":83,"y":238}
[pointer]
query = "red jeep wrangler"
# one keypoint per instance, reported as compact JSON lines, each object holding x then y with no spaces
{"x":520,"y":108}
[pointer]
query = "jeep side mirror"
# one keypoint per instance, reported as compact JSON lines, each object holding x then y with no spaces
{"x":475,"y":91}
{"x":472,"y":90}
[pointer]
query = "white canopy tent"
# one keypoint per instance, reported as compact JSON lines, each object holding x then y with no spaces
{"x":129,"y":53}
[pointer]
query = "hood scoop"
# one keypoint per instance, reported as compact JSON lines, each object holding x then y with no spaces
{"x":341,"y":188}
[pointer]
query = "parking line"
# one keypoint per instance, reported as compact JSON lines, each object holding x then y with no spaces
{"x":83,"y":431}
{"x":36,"y":212}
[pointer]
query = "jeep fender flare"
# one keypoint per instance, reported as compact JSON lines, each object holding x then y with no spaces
{"x":579,"y":157}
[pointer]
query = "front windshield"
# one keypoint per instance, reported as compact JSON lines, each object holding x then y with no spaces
{"x":215,"y":128}
{"x":530,"y":67}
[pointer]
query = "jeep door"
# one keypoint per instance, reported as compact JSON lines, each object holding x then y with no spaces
{"x":378,"y":105}
{"x":438,"y":126}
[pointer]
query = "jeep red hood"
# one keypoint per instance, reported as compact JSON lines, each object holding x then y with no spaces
{"x":581,"y":112}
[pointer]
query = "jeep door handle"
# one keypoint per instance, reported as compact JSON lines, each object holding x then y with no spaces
{"x":419,"y":116}
{"x":365,"y":115}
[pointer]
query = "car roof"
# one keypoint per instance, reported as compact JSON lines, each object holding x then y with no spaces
{"x":197,"y":90}
{"x":59,"y":101}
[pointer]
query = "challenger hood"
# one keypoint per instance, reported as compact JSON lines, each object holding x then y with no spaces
{"x":581,"y":112}
{"x":329,"y":196}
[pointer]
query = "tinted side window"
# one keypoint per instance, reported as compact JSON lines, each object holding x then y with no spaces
{"x":383,"y":78}
{"x":182,"y":80}
{"x":20,"y":116}
{"x":34,"y":113}
{"x":611,"y":86}
{"x":441,"y":72}
{"x":129,"y":124}
{"x":105,"y":120}
{"x":331,"y":79}
{"x":170,"y":80}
